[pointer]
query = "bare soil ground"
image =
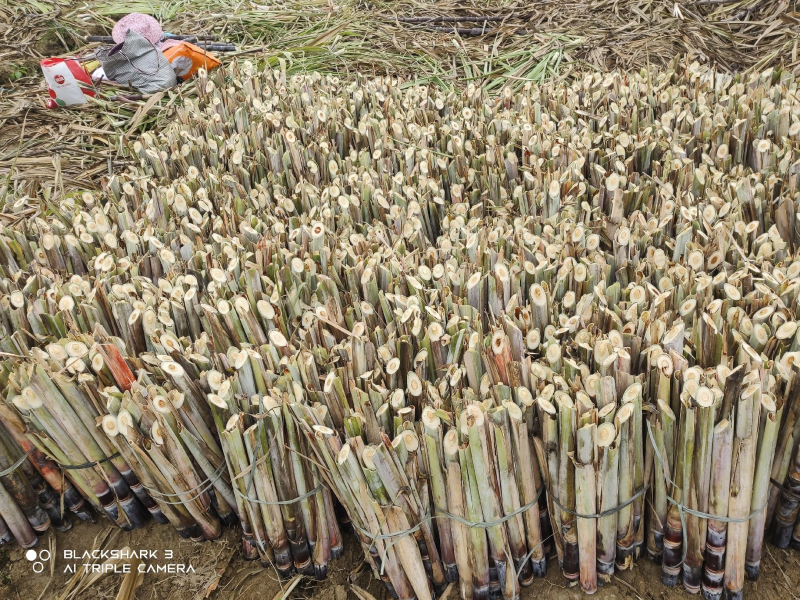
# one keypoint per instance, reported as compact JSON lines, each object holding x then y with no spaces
{"x":242,"y":580}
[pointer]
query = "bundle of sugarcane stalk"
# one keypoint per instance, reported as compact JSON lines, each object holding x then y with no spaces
{"x":473,"y":485}
{"x":290,"y":515}
{"x":486,"y":326}
{"x":714,"y":458}
{"x":595,"y":475}
{"x":27,"y":504}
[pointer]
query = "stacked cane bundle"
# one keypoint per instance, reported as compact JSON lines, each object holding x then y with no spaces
{"x":715,"y":452}
{"x":484,"y":325}
{"x":27,"y":504}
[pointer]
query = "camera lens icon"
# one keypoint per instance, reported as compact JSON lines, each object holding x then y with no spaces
{"x":37,"y":558}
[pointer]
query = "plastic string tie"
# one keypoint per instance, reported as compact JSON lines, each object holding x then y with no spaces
{"x":200,"y":489}
{"x":17,"y":464}
{"x":88,"y":465}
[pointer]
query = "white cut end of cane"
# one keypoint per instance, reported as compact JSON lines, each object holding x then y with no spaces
{"x":98,"y":363}
{"x":674,"y":332}
{"x":297,"y":265}
{"x":606,"y":410}
{"x":384,"y":353}
{"x":176,"y":398}
{"x":435,"y":331}
{"x":217,"y":401}
{"x":17,"y":299}
{"x":240,"y":360}
{"x":407,"y":314}
{"x":268,"y":402}
{"x":329,"y":382}
{"x":751,"y":352}
{"x":793,"y":271}
{"x":223,"y":307}
{"x":688,"y":307}
{"x":124,"y":422}
{"x":568,"y":301}
{"x":633,"y":392}
{"x":638,"y":295}
{"x":149,"y":320}
{"x":751,"y":391}
{"x":214,"y":379}
{"x":429,"y":418}
{"x":307,"y":319}
{"x":277,"y":338}
{"x":553,"y":353}
{"x":545,"y":405}
{"x":615,"y":339}
{"x":233,"y":422}
{"x":424,"y":273}
{"x":398,"y":399}
{"x":218,"y":275}
{"x":172,"y":368}
{"x":414,"y":384}
{"x":409,"y":440}
{"x":715,"y":260}
{"x":664,"y":408}
{"x":693,"y":374}
{"x":265,"y":309}
{"x":156,"y":435}
{"x":75,"y":364}
{"x":473,"y":416}
{"x":732,"y":293}
{"x":786,"y":330}
{"x":590,"y":384}
{"x":498,"y":341}
{"x":624,"y":413}
{"x":49,"y":241}
{"x":704,"y":397}
{"x":161,"y":405}
{"x":393,"y":366}
{"x":109,"y":425}
{"x":57,"y":352}
{"x":343,"y":455}
{"x":367,"y":456}
{"x":450,"y":442}
{"x":473,"y":280}
{"x":606,"y":433}
{"x":242,"y":305}
{"x":514,"y":412}
{"x":170,"y":343}
{"x":763,"y":314}
{"x":21,"y":403}
{"x":532,"y":339}
{"x":768,"y":403}
{"x":134,"y":316}
{"x":383,"y":409}
{"x":321,"y":431}
{"x":538,"y":296}
{"x":66,"y":304}
{"x":501,"y":270}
